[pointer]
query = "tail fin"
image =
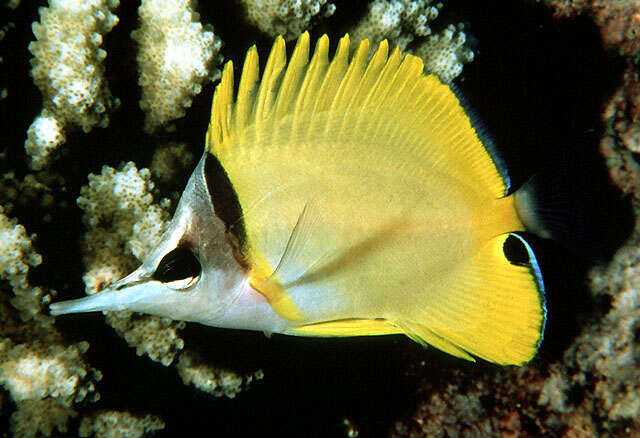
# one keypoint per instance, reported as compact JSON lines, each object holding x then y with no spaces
{"x":576,"y":205}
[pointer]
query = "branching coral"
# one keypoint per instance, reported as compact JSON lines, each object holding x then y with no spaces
{"x":124,"y":224}
{"x":403,"y":21}
{"x":398,"y":21}
{"x":446,"y":53}
{"x":43,"y":377}
{"x":175,"y":55}
{"x":114,"y":424}
{"x":40,"y":418}
{"x":169,"y":161}
{"x":16,"y":256}
{"x":151,"y":335}
{"x":205,"y":377}
{"x":288,"y":18}
{"x":36,"y":371}
{"x":68,"y":69}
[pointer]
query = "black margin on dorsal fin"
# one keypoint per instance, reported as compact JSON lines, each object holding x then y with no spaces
{"x":485,"y":137}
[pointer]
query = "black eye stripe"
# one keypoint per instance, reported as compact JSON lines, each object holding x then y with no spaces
{"x":226,"y":206}
{"x":178,"y":264}
{"x":223,"y":196}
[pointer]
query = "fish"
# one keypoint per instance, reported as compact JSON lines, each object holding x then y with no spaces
{"x":353,"y":195}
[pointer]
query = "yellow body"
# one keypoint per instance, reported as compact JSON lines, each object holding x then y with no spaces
{"x":398,"y":211}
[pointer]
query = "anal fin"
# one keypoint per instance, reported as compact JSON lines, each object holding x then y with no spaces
{"x":423,"y":336}
{"x":348,"y":327}
{"x":494,"y":309}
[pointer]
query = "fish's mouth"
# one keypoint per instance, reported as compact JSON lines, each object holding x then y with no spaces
{"x":121,"y":295}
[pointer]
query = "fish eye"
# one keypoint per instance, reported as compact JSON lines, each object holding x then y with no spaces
{"x":178,"y":269}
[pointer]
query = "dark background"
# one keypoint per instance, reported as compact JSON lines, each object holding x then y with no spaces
{"x":537,"y":83}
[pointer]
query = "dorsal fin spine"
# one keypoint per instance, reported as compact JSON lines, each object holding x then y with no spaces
{"x":369,"y":79}
{"x":222,"y":103}
{"x":248,"y":81}
{"x":405,"y":76}
{"x":293,"y":76}
{"x":352,"y":78}
{"x":275,"y":64}
{"x":375,"y":99}
{"x":348,"y":70}
{"x":226,"y":101}
{"x":335,"y":72}
{"x":315,"y":73}
{"x":381,"y":90}
{"x":354,"y":75}
{"x":341,"y":59}
{"x":372,"y":73}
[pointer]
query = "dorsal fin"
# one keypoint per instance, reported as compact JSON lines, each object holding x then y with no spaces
{"x":351,"y":97}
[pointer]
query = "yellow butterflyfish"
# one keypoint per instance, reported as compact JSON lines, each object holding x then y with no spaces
{"x":344,"y":197}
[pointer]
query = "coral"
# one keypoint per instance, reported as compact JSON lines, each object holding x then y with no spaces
{"x":44,"y":381}
{"x":16,"y":257}
{"x":35,"y":371}
{"x":114,"y":424}
{"x":445,"y":54}
{"x":16,"y":252}
{"x":35,"y":189}
{"x":621,"y":116}
{"x":67,"y":67}
{"x":288,"y":18}
{"x":43,"y":377}
{"x":619,"y":21}
{"x":398,"y":21}
{"x":175,"y":55}
{"x":206,"y":378}
{"x":401,"y":21}
{"x":43,"y":136}
{"x":607,"y":354}
{"x":553,"y":392}
{"x":170,"y":160}
{"x":40,"y":418}
{"x":151,"y":335}
{"x":123,"y":225}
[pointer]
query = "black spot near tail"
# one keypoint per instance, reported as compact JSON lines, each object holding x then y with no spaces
{"x":515,"y":251}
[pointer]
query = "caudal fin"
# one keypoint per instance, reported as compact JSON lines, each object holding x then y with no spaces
{"x":576,"y":205}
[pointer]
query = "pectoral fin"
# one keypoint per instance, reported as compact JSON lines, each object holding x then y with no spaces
{"x":289,"y":269}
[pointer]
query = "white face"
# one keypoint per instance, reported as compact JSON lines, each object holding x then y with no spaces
{"x":191,"y":275}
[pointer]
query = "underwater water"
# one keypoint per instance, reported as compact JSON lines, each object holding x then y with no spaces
{"x":536,"y":82}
